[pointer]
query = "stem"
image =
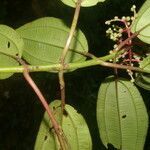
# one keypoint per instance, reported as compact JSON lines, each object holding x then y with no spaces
{"x":55,"y":125}
{"x":116,"y":93}
{"x":71,"y":66}
{"x":118,"y":105}
{"x":62,"y":88}
{"x":72,"y":30}
{"x":65,"y":50}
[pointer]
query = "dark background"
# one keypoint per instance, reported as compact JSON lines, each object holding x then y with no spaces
{"x":20,"y":110}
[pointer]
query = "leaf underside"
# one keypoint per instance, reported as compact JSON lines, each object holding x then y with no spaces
{"x":141,"y":21}
{"x":143,"y":79}
{"x":140,"y":81}
{"x":10,"y":44}
{"x":45,"y":39}
{"x":122,"y":121}
{"x":74,"y":126}
{"x":85,"y":3}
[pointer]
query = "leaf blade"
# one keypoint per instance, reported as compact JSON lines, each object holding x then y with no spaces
{"x":141,"y":21}
{"x":10,"y":44}
{"x":143,"y":79}
{"x":130,"y":114}
{"x":45,"y":39}
{"x":85,"y":3}
{"x":74,"y":126}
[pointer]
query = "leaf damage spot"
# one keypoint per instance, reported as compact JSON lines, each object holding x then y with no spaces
{"x":45,"y":138}
{"x":65,"y":113}
{"x":8,"y":44}
{"x":124,"y":116}
{"x":50,"y":129}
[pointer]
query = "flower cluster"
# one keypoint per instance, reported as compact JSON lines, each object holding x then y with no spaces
{"x":119,"y":31}
{"x":115,"y":31}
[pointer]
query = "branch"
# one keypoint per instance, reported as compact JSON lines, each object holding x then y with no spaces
{"x":59,"y":132}
{"x":71,"y":66}
{"x":65,"y":50}
{"x":55,"y":125}
{"x":72,"y":30}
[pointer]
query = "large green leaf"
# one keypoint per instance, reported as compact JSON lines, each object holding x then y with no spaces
{"x":12,"y":44}
{"x":141,"y":21}
{"x":143,"y":79}
{"x":74,"y":126}
{"x":85,"y":3}
{"x":45,"y":39}
{"x":122,"y":121}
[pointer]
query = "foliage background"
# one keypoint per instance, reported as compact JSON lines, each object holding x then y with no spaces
{"x":20,"y":110}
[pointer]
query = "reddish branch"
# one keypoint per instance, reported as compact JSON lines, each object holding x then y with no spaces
{"x":55,"y":125}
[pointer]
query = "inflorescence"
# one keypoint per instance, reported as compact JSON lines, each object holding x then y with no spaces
{"x":119,"y":31}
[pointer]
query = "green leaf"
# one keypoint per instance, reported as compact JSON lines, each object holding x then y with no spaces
{"x":141,"y":21}
{"x":74,"y":127}
{"x":45,"y":39}
{"x":145,"y":64}
{"x":85,"y":3}
{"x":122,"y":121}
{"x":80,"y":139}
{"x":146,"y":77}
{"x":143,"y":79}
{"x":10,"y":44}
{"x":46,"y":138}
